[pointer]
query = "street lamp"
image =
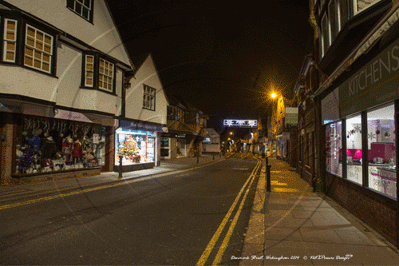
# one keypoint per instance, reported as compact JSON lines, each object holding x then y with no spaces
{"x":274,"y":95}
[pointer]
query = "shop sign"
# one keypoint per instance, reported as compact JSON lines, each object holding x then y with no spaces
{"x":375,"y":83}
{"x":139,"y":126}
{"x":291,"y":115}
{"x":70,"y":115}
{"x":329,"y":107}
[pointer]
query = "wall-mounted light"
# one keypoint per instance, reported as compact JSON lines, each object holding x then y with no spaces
{"x":127,"y":85}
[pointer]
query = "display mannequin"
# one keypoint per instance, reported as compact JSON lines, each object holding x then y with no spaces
{"x":77,"y":151}
{"x":67,"y":149}
{"x":35,"y":142}
{"x":49,"y":153}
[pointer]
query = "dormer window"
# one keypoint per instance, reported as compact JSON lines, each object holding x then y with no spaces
{"x":83,"y":8}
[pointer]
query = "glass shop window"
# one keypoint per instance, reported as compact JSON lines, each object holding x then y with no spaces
{"x":381,"y":150}
{"x":334,"y":148}
{"x":50,"y":145}
{"x":354,"y":149}
{"x":135,"y":147}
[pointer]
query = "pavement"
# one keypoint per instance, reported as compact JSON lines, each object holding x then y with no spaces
{"x":35,"y":188}
{"x":292,"y":225}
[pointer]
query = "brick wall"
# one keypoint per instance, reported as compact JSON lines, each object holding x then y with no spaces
{"x":6,"y":147}
{"x":377,"y":211}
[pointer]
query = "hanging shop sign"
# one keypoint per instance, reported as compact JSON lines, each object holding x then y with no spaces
{"x":363,"y":89}
{"x":240,"y":123}
{"x":291,"y":115}
{"x":140,"y":126}
{"x":70,"y":115}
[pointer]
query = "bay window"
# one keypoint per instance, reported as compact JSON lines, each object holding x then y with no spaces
{"x":10,"y":39}
{"x":98,"y":73}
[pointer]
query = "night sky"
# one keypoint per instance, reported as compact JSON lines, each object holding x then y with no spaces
{"x":211,"y":52}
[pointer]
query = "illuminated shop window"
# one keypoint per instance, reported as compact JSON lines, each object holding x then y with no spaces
{"x":334,"y":148}
{"x":354,"y":149}
{"x":135,"y":146}
{"x":381,"y":150}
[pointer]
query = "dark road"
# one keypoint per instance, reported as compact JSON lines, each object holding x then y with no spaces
{"x":180,"y":219}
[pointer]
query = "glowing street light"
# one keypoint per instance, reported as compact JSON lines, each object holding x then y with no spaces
{"x":274,"y":95}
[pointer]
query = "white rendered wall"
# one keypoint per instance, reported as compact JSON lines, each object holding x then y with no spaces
{"x":147,"y":75}
{"x":101,"y":34}
{"x":26,"y":82}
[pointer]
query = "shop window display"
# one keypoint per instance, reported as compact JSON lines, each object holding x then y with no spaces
{"x":381,"y":150}
{"x":135,"y":146}
{"x":354,"y":149}
{"x":333,"y":148}
{"x":47,"y":145}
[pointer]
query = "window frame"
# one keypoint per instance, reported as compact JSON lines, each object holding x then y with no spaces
{"x":333,"y":32}
{"x":21,"y":35}
{"x":90,"y":12}
{"x":5,"y":41}
{"x":96,"y":72}
{"x":34,"y":48}
{"x":149,"y":97}
{"x":325,"y":35}
{"x":354,"y":7}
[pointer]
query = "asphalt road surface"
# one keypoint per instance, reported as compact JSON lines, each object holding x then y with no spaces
{"x":193,"y":217}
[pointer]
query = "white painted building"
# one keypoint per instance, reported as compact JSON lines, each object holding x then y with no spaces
{"x":145,"y":117}
{"x":211,"y":143}
{"x":63,"y":67}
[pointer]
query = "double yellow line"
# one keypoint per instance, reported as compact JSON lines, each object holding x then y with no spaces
{"x":205,"y":255}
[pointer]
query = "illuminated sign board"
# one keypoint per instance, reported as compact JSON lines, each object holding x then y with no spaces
{"x":240,"y":123}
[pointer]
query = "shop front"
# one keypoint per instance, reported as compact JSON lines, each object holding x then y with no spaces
{"x":136,"y":146}
{"x":174,"y":145}
{"x":52,"y":144}
{"x":360,"y":120}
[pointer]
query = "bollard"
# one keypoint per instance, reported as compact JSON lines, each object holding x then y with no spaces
{"x":268,"y":186}
{"x":120,"y":166}
{"x":197,"y":157}
{"x":213,"y":156}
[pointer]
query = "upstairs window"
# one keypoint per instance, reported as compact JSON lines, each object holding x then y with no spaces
{"x":332,"y":13}
{"x":83,"y":8}
{"x":10,"y":40}
{"x":98,"y":73}
{"x":38,"y":49}
{"x":89,"y":71}
{"x":343,"y":13}
{"x":325,"y":35}
{"x":149,"y":98}
{"x":360,"y":5}
{"x":106,"y":75}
